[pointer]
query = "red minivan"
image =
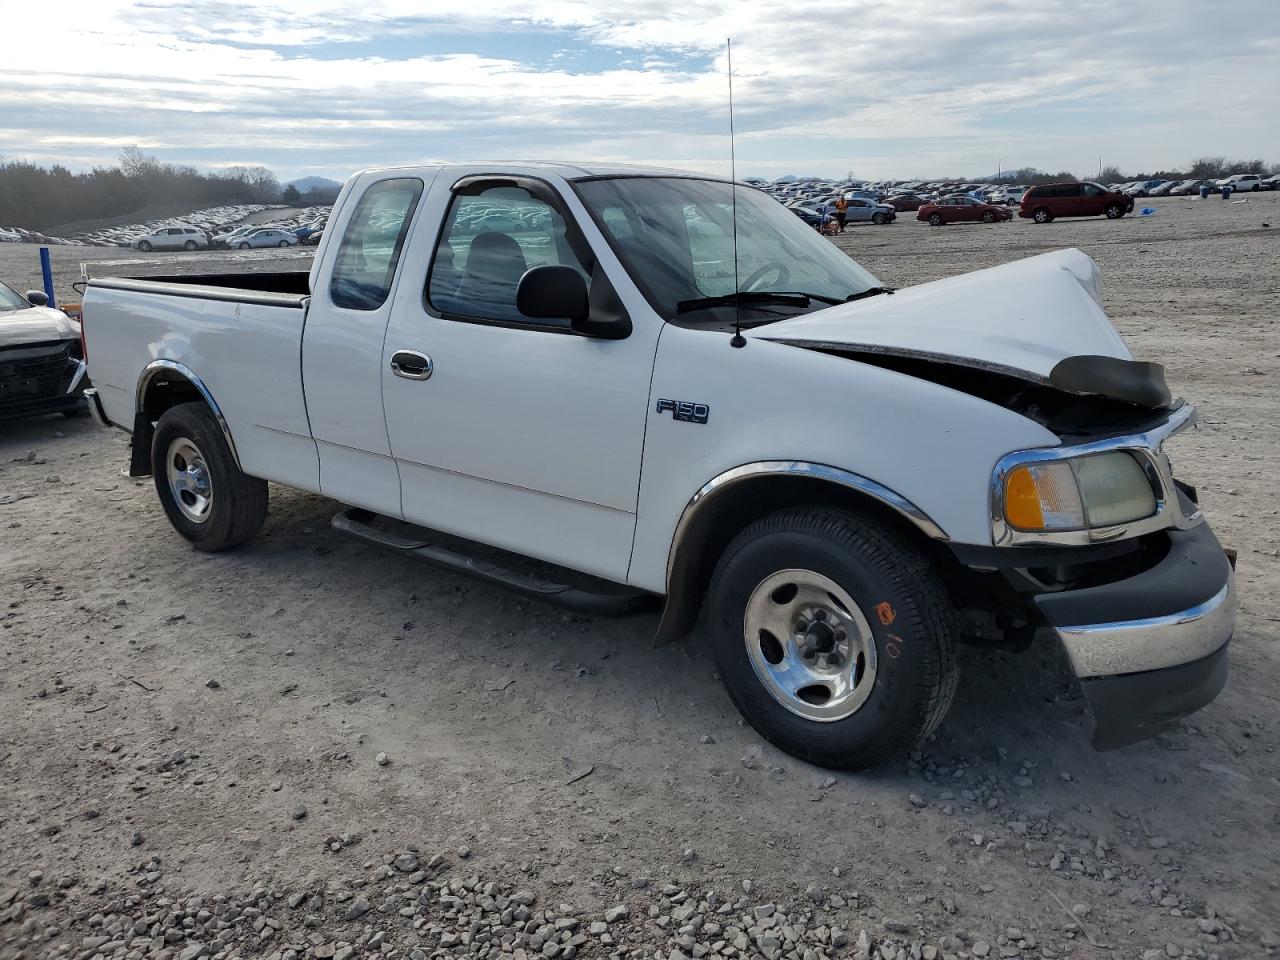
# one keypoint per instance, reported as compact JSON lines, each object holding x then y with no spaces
{"x":1084,"y":199}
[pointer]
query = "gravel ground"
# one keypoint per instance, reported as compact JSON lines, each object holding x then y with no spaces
{"x":307,"y":748}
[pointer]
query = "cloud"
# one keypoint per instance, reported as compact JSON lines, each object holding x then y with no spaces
{"x":910,"y":88}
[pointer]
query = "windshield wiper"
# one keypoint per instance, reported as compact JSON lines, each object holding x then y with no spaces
{"x":869,"y":292}
{"x":745,"y":298}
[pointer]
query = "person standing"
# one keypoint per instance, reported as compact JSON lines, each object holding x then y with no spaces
{"x":842,"y":211}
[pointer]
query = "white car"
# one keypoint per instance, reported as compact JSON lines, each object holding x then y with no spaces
{"x":9,"y":236}
{"x":173,"y":238}
{"x":42,"y":367}
{"x":265,"y":237}
{"x":1242,"y":182}
{"x":830,"y":469}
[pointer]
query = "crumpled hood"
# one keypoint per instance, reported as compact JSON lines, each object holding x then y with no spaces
{"x":1022,"y":318}
{"x":35,"y":325}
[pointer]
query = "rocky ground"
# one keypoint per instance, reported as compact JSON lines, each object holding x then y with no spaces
{"x":307,"y":748}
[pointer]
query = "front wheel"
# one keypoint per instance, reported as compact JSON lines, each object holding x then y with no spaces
{"x":144,"y":246}
{"x":834,"y":636}
{"x":204,"y":493}
{"x":1114,"y":211}
{"x":283,"y":243}
{"x":1041,"y":215}
{"x":935,"y":220}
{"x":879,"y":219}
{"x":244,"y":246}
{"x":989,"y":217}
{"x":189,"y":245}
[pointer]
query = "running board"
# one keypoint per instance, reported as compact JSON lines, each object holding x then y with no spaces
{"x":591,"y":595}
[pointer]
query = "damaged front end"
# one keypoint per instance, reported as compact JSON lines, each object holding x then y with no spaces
{"x":1093,"y":538}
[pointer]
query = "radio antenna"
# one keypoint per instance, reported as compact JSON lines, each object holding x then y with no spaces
{"x":738,"y":339}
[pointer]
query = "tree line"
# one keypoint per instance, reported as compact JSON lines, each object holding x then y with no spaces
{"x":38,"y":197}
{"x":1202,"y":168}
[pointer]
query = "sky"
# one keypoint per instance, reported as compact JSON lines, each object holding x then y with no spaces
{"x":904,"y":89}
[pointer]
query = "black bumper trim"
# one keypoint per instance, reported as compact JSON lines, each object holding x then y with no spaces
{"x":1135,"y":706}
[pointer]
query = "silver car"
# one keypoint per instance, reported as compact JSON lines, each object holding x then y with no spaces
{"x":266,"y":237}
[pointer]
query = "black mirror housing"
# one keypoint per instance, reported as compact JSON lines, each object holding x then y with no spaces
{"x":37,"y":298}
{"x":553,"y":292}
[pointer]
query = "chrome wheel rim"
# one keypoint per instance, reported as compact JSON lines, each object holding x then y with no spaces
{"x":188,"y":477}
{"x":810,"y":645}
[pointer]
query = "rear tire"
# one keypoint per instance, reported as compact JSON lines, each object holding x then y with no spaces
{"x":879,"y":674}
{"x":935,"y":220}
{"x":207,"y":498}
{"x":1114,"y":211}
{"x":1042,"y":215}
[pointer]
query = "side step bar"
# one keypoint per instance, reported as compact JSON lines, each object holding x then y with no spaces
{"x":599,"y":597}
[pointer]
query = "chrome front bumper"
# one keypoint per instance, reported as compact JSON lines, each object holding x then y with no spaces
{"x":1151,"y":648}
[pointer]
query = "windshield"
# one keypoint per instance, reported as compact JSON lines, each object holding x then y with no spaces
{"x":675,"y":236}
{"x":10,"y":299}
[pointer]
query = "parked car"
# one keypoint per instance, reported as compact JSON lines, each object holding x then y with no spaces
{"x":1241,"y":182}
{"x":1009,"y":196}
{"x":42,"y":367}
{"x":1075,"y":199}
{"x":232,"y":237}
{"x":10,"y":236}
{"x":1271,"y":183}
{"x":961,"y":209}
{"x":265,"y":237}
{"x":1164,"y":189}
{"x":576,"y":396}
{"x":1143,"y":188}
{"x":905,"y":202}
{"x":868,"y":211}
{"x":173,"y":238}
{"x":1184,"y":187}
{"x":810,"y":215}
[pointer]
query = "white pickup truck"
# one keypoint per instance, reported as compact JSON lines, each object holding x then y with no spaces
{"x":530,"y":373}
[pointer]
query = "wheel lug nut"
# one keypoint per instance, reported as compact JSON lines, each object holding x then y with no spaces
{"x":820,"y":615}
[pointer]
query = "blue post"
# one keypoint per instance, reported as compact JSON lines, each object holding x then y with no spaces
{"x":47,"y":272}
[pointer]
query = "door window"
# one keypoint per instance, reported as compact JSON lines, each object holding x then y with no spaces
{"x":370,"y":250}
{"x":492,"y":236}
{"x":1093,"y":190}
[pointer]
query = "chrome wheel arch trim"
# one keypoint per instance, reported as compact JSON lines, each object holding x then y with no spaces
{"x":157,"y":368}
{"x":800,"y":468}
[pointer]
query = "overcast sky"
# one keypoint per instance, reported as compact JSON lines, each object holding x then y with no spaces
{"x":904,"y":88}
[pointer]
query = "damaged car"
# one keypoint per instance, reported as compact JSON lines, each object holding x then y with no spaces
{"x":609,"y":409}
{"x":42,"y":368}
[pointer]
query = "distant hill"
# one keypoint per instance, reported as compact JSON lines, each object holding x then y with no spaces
{"x":307,"y":184}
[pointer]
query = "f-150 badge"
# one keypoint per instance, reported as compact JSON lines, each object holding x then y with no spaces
{"x":685,"y":411}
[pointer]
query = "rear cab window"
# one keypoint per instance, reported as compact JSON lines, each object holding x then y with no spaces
{"x":365,"y":266}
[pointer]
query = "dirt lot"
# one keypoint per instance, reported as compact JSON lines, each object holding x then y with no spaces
{"x":190,"y":744}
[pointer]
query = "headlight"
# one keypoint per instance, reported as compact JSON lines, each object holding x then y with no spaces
{"x":1077,"y":493}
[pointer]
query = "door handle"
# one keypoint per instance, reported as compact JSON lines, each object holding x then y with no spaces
{"x":411,"y":365}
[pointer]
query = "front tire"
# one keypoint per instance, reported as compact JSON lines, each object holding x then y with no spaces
{"x":1114,"y":211}
{"x":205,"y":495}
{"x":244,"y":246}
{"x":834,"y":636}
{"x":935,"y":220}
{"x":144,"y":246}
{"x":879,"y":219}
{"x":283,"y":243}
{"x":989,"y":217}
{"x":189,"y":246}
{"x":1041,"y":215}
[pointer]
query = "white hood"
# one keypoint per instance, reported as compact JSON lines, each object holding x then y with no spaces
{"x":1023,"y":317}
{"x":35,"y":325}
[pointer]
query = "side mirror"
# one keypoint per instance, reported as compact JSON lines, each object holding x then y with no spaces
{"x":554,"y":292}
{"x":37,"y":298}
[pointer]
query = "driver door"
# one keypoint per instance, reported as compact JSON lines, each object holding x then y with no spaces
{"x":515,"y":432}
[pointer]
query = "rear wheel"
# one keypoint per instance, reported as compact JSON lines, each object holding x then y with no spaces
{"x":1114,"y":211}
{"x":205,"y":495}
{"x":834,"y":636}
{"x":1041,"y":215}
{"x":935,"y":220}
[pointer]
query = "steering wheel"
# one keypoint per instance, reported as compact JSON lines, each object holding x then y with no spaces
{"x":774,"y":266}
